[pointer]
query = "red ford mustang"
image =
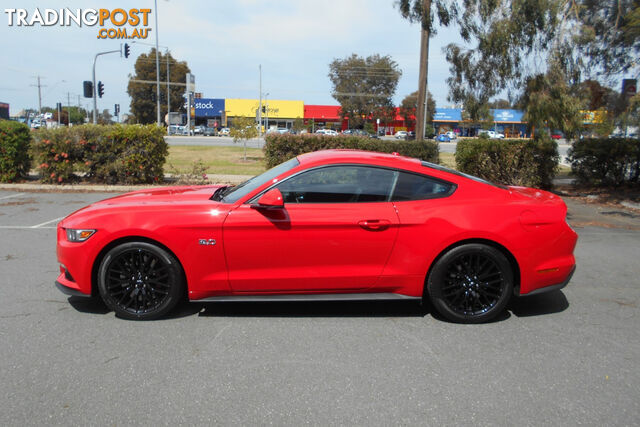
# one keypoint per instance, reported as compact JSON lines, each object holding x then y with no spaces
{"x":329,"y":225}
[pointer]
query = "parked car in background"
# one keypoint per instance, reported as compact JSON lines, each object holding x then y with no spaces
{"x":199,"y":130}
{"x":443,"y":138}
{"x":491,"y":134}
{"x":327,"y":132}
{"x":556,"y":134}
{"x":357,"y":132}
{"x":224,"y":132}
{"x":210,"y":131}
{"x":401,"y":134}
{"x":452,"y":135}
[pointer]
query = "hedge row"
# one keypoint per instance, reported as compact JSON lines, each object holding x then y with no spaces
{"x":113,"y":154}
{"x":531,"y":163}
{"x":606,"y":161}
{"x":279,"y":148}
{"x":14,"y":150}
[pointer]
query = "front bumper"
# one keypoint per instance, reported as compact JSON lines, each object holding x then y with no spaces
{"x":70,"y":291}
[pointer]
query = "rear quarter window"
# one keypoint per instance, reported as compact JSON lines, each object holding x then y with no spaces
{"x":419,"y":187}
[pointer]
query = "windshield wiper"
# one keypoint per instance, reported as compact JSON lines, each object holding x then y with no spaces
{"x":219,"y":193}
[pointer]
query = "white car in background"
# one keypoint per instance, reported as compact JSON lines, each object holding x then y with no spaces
{"x":401,"y":134}
{"x":491,"y":134}
{"x":452,"y":135}
{"x":327,"y":132}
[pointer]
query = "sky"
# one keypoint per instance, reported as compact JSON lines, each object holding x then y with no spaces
{"x":223,"y":43}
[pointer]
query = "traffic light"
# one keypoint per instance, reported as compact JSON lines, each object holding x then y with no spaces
{"x":117,"y":109}
{"x":87,"y":88}
{"x":100,"y":89}
{"x":126,"y":50}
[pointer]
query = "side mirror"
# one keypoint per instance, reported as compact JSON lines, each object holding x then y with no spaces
{"x":271,"y":199}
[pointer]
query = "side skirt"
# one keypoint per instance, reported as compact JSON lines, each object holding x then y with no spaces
{"x":310,"y":297}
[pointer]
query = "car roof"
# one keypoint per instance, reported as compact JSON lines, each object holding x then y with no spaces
{"x":356,"y":156}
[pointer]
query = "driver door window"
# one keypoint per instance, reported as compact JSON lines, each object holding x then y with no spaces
{"x":339,"y":184}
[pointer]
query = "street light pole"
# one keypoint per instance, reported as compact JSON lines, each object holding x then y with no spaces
{"x":168,"y":103}
{"x":95,"y":89}
{"x":260,"y":104}
{"x":157,"y":68}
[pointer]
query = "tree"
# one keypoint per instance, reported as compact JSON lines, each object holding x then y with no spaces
{"x":422,"y":11}
{"x":105,"y":118}
{"x":143,"y":93}
{"x":500,"y":104}
{"x":243,"y":128}
{"x":551,"y":104}
{"x":298,"y":125}
{"x":409,"y":108}
{"x":363,"y":85}
{"x":609,"y":34}
{"x":505,"y":41}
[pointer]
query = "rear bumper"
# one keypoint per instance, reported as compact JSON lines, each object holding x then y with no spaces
{"x":551,"y":288}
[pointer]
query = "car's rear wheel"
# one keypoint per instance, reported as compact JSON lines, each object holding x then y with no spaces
{"x":140,"y":281}
{"x":471,"y":283}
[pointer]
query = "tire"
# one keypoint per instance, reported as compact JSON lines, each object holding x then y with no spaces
{"x":471,"y":283}
{"x":140,"y":281}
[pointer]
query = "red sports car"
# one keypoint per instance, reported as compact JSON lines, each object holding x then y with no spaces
{"x":329,"y":225}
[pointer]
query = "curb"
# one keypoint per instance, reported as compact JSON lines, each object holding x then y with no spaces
{"x":103,"y":188}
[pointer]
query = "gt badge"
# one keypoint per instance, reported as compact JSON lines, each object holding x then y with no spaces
{"x":207,"y":242}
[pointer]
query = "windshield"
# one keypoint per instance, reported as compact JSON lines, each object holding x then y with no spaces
{"x":233,"y":194}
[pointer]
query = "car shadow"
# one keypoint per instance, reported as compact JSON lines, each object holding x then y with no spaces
{"x":97,"y":306}
{"x":314,"y":309}
{"x":88,"y":305}
{"x":539,"y":305}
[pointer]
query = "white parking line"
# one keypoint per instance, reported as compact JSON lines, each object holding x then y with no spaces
{"x":48,"y":222}
{"x":12,"y":195}
{"x":23,"y":227}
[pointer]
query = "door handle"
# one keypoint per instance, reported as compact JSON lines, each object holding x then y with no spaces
{"x":374,"y":224}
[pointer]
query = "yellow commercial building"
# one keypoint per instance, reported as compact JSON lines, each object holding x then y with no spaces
{"x":277,"y":113}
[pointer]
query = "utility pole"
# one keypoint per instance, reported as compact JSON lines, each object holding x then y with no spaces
{"x":39,"y":86}
{"x":260,"y":105}
{"x":421,"y":110}
{"x":155,"y":12}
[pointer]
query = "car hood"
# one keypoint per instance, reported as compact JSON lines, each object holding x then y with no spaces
{"x":156,"y":199}
{"x":164,"y":195}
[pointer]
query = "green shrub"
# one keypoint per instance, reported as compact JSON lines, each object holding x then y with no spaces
{"x":279,"y":148}
{"x":57,"y":154}
{"x":531,"y":163}
{"x":131,"y":154}
{"x":606,"y":161}
{"x":14,"y":150}
{"x":107,"y":154}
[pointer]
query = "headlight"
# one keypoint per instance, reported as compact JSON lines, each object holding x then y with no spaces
{"x":78,"y":235}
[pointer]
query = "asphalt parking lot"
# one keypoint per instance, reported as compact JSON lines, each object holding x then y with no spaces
{"x":568,"y":357}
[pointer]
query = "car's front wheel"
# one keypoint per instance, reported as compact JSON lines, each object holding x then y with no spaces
{"x":140,"y":281}
{"x":471,"y":283}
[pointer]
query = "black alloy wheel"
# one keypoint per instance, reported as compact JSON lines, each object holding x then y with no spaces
{"x":471,"y":283}
{"x":140,"y":281}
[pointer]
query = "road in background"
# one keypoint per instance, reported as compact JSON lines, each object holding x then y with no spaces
{"x":568,"y":356}
{"x":225,"y":141}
